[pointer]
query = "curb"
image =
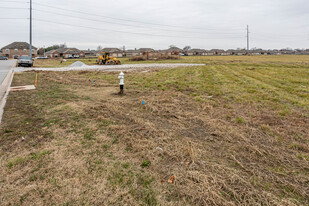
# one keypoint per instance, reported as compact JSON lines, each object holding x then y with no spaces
{"x":5,"y":88}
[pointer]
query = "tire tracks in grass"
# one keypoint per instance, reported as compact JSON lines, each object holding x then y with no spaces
{"x":272,"y":90}
{"x":232,"y":85}
{"x":287,"y":81}
{"x":278,"y":89}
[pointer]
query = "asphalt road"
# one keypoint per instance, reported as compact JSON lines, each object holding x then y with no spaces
{"x":5,"y":66}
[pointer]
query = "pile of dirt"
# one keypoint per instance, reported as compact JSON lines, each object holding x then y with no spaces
{"x":78,"y":64}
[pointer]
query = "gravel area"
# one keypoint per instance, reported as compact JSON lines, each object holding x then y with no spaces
{"x":125,"y":67}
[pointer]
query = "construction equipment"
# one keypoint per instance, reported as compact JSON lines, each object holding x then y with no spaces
{"x":106,"y":58}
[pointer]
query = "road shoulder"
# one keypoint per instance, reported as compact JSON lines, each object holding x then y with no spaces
{"x":4,"y":89}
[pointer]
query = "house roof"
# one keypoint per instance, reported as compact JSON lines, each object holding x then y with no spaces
{"x":174,"y":49}
{"x":18,"y":45}
{"x":146,"y":50}
{"x":93,"y":52}
{"x":111,"y":50}
{"x":197,"y":50}
{"x":68,"y":50}
{"x":132,"y":51}
{"x":231,"y":50}
{"x":217,"y":50}
{"x":51,"y":51}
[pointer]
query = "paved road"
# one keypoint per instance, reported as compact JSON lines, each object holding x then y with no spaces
{"x":5,"y":67}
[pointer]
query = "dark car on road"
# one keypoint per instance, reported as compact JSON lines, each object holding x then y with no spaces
{"x":3,"y":58}
{"x":25,"y":61}
{"x":16,"y":56}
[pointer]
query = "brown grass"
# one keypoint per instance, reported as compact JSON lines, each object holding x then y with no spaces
{"x":84,"y":144}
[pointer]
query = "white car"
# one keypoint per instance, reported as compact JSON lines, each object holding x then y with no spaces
{"x":25,"y":60}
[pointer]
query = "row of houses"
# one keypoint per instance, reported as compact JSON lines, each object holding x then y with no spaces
{"x":22,"y":48}
{"x":171,"y":51}
{"x":65,"y":53}
{"x":194,"y":52}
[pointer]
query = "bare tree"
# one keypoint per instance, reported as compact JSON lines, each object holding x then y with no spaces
{"x":63,"y":45}
{"x":99,"y":48}
{"x":187,"y":48}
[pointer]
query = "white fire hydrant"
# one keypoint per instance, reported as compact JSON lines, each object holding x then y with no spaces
{"x":121,"y":83}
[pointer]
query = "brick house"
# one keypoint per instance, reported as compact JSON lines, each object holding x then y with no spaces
{"x":241,"y":52}
{"x":174,"y":51}
{"x":65,"y":53}
{"x":217,"y":52}
{"x":196,"y":52}
{"x":131,"y":53}
{"x":90,"y":53}
{"x":114,"y":52}
{"x":52,"y":54}
{"x":69,"y":52}
{"x":18,"y":49}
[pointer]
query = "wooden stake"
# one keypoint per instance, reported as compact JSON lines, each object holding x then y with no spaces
{"x":36,"y":79}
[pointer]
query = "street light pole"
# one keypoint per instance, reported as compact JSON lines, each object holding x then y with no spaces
{"x":30,"y":28}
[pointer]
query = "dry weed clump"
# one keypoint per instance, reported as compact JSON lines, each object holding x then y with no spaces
{"x":154,"y":56}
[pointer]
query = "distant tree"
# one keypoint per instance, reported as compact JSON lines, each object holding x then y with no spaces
{"x":187,"y":48}
{"x":52,"y":48}
{"x":56,"y":46}
{"x":63,"y":45}
{"x":123,"y":48}
{"x":171,"y":46}
{"x":41,"y":51}
{"x":99,"y":48}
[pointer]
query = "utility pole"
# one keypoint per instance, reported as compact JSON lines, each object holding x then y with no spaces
{"x":247,"y":39}
{"x":30,"y":29}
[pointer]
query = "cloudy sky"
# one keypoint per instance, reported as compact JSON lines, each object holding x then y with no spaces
{"x":139,"y":23}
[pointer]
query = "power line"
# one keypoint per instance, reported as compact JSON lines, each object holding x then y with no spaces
{"x":13,"y":1}
{"x":274,"y":39}
{"x":122,"y":24}
{"x":118,"y":19}
{"x":127,"y":32}
{"x":279,"y":35}
{"x":3,"y":7}
{"x":15,"y":18}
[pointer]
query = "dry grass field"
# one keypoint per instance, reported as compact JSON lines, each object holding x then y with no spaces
{"x":282,"y":59}
{"x":232,"y":132}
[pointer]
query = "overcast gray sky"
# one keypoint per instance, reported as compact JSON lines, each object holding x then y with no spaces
{"x":139,"y":23}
